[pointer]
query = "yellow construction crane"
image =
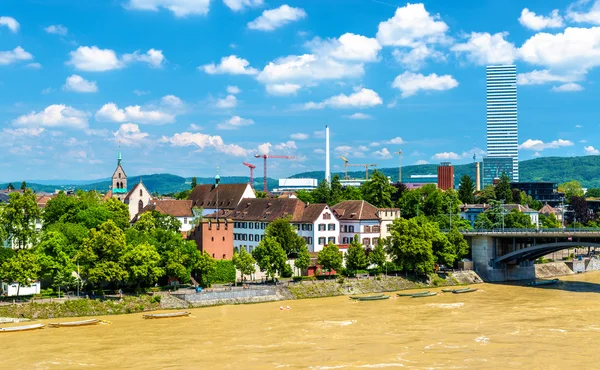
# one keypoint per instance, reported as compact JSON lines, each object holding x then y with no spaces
{"x":366,"y":166}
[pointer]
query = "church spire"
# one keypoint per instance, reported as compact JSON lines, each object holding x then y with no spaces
{"x":217,"y":178}
{"x":119,"y":159}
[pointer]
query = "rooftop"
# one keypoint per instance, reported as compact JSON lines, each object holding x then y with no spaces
{"x":355,"y":210}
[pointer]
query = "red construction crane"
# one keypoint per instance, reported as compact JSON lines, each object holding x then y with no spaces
{"x":252,"y":167}
{"x":265,"y":156}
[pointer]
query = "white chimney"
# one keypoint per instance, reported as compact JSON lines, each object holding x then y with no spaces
{"x":327,"y":168}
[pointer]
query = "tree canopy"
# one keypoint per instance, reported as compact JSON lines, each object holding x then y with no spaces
{"x":356,"y":258}
{"x":330,"y":258}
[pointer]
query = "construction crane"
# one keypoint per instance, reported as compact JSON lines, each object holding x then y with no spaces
{"x":366,"y":166}
{"x":265,"y":156}
{"x":252,"y":167}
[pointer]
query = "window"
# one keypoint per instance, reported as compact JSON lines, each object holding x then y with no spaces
{"x":212,"y":239}
{"x":331,"y":227}
{"x":321,"y":241}
{"x":309,"y":240}
{"x":251,"y":225}
{"x":326,"y":216}
{"x":389,"y":227}
{"x":185,"y":220}
{"x":367,"y":229}
{"x":141,"y":193}
{"x":213,"y":255}
{"x":119,"y":174}
{"x":223,"y":256}
{"x":366,"y":241}
{"x":256,"y":225}
{"x":375,"y":229}
{"x":331,"y":239}
{"x":321,"y":227}
{"x":223,"y":238}
{"x":350,"y":229}
{"x":375,"y":240}
{"x":345,"y":228}
{"x":140,"y":205}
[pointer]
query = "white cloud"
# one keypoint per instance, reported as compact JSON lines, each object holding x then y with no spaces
{"x":319,"y":134}
{"x":57,"y":29}
{"x":172,"y":101}
{"x":538,"y":22}
{"x":56,"y":115}
{"x":411,"y":26}
{"x":349,"y":46}
{"x":194,"y":127}
{"x":180,"y":8}
{"x":230,"y":101}
{"x":233,"y":90}
{"x":384,"y":153}
{"x":238,"y":5}
{"x":446,"y":156}
{"x":319,"y":151}
{"x":590,"y":150}
{"x":110,"y":112}
{"x":24,"y":131}
{"x":415,"y":58}
{"x":484,"y":49}
{"x":229,"y":65}
{"x":34,"y":65}
{"x":577,"y":14}
{"x":568,"y":87}
{"x":411,"y":83}
{"x":539,"y":145}
{"x":272,"y":19}
{"x":141,"y":92}
{"x":583,"y":141}
{"x":77,"y":83}
{"x":544,"y":76}
{"x":421,"y":161}
{"x":235,"y":123}
{"x":374,"y":144}
{"x":264,"y":148}
{"x":203,"y":141}
{"x":47,"y":90}
{"x":397,"y":140}
{"x":129,"y":134}
{"x":359,"y":116}
{"x":364,"y":98}
{"x":287,"y":146}
{"x":350,"y":151}
{"x":15,"y":55}
{"x":282,"y":89}
{"x":153,"y":57}
{"x":299,"y":136}
{"x":9,"y":22}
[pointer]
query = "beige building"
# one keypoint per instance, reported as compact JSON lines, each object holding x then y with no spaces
{"x":387,"y":217}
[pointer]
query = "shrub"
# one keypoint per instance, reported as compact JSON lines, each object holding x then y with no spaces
{"x":298,"y":278}
{"x":308,"y":278}
{"x":287,"y":271}
{"x":224,"y":273}
{"x":340,"y":280}
{"x":155,"y":298}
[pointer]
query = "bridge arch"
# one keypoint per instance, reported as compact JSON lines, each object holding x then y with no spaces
{"x":539,"y":250}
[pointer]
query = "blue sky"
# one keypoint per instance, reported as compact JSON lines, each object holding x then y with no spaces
{"x":184,"y":86}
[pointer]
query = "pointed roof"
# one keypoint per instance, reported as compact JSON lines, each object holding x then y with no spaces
{"x":268,"y":209}
{"x":135,"y":188}
{"x":171,"y":207}
{"x":355,"y":210}
{"x":230,"y":195}
{"x":547,"y":209}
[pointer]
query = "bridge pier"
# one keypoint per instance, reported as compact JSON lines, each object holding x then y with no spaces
{"x":483,"y":252}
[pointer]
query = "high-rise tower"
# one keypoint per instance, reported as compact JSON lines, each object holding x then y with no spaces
{"x":502,"y":127}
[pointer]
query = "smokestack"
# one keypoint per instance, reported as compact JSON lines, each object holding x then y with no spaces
{"x":477,"y":177}
{"x":327,"y":169}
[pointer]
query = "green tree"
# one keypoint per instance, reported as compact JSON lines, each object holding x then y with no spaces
{"x":19,"y":217}
{"x":182,"y":195}
{"x":194,"y":183}
{"x":410,"y":244}
{"x":571,"y":189}
{"x":592,"y":193}
{"x":486,"y":195}
{"x":270,"y":256}
{"x":119,"y":213}
{"x":23,"y":268}
{"x":6,"y":254}
{"x":378,"y":191}
{"x":10,"y":187}
{"x":411,"y":203}
{"x":503,"y":191}
{"x":351,"y":193}
{"x":244,"y":262}
{"x":205,"y":265}
{"x":356,"y":259}
{"x":56,"y":208}
{"x":322,"y":194}
{"x":330,"y":258}
{"x":337,"y":190}
{"x":55,"y":257}
{"x":305,"y":196}
{"x":302,"y":261}
{"x":377,"y":256}
{"x":179,"y":257}
{"x":459,"y":244}
{"x":517,"y":220}
{"x":142,"y":263}
{"x":491,"y":218}
{"x":466,"y":190}
{"x":23,"y":185}
{"x":285,"y":235}
{"x":261,"y":194}
{"x":549,"y":221}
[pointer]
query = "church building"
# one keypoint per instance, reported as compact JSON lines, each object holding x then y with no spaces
{"x":136,"y":198}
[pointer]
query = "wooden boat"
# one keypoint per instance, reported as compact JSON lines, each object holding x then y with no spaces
{"x":431,"y":294}
{"x":543,"y":282}
{"x":74,"y":323}
{"x":22,"y":328}
{"x":380,"y":298}
{"x":464,"y":291}
{"x":165,"y":315}
{"x":411,"y":294}
{"x":368,"y":296}
{"x":454,"y":290}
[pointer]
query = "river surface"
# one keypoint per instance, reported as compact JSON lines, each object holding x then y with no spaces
{"x":498,"y":327}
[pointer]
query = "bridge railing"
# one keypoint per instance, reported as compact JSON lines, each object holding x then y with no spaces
{"x":565,"y":231}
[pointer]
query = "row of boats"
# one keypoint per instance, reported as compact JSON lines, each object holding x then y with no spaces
{"x":380,"y":297}
{"x":89,"y":322}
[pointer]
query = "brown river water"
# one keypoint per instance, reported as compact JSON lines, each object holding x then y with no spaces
{"x":498,"y":327}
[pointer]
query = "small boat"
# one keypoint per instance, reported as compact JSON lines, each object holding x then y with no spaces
{"x":431,"y":294}
{"x":464,"y":291}
{"x":165,"y":315}
{"x":543,"y":282}
{"x":22,"y":328}
{"x":379,"y":298}
{"x":454,"y":290}
{"x":411,"y":294}
{"x":368,"y":296}
{"x":74,"y":323}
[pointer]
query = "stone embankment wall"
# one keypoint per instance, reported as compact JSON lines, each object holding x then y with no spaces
{"x":552,"y":269}
{"x":234,"y":296}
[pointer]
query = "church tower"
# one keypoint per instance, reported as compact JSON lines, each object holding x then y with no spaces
{"x":119,"y":181}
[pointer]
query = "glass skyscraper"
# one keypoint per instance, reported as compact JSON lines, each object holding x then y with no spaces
{"x":502,"y":128}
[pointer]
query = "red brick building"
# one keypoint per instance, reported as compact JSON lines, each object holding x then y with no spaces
{"x":214,"y":236}
{"x":445,"y":176}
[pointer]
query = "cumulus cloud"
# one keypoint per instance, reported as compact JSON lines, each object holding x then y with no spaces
{"x":111,"y":113}
{"x":272,"y":19}
{"x":10,"y":23}
{"x":229,"y":65}
{"x":349,"y":46}
{"x":397,"y":140}
{"x":264,"y":148}
{"x":577,"y":13}
{"x":230,"y":101}
{"x":13,"y":56}
{"x":359,"y":116}
{"x":384,"y":153}
{"x":421,"y":161}
{"x":234,"y":90}
{"x":282,"y":89}
{"x":415,"y":58}
{"x":299,"y":136}
{"x":194,"y":127}
{"x":77,"y":83}
{"x":238,"y":5}
{"x":172,"y":101}
{"x":539,"y":145}
{"x":568,"y":87}
{"x":484,"y":48}
{"x":351,"y":151}
{"x":538,"y":22}
{"x":287,"y":146}
{"x":180,"y":8}
{"x":153,"y":57}
{"x":412,"y":25}
{"x":590,"y":150}
{"x":538,"y":77}
{"x":235,"y":123}
{"x":57,"y":29}
{"x":410,"y":83}
{"x":446,"y":156}
{"x":129,"y":134}
{"x":363,"y":98}
{"x":56,"y":115}
{"x":203,"y":141}
{"x":94,"y":59}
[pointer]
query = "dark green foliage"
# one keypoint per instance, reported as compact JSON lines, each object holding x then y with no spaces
{"x":330,"y":258}
{"x":23,"y":185}
{"x":549,"y":221}
{"x":592,"y":193}
{"x":302,"y":261}
{"x":410,"y":246}
{"x":193,"y":183}
{"x":377,"y":256}
{"x":466,"y":190}
{"x":503,"y":190}
{"x":356,"y":258}
{"x":283,"y":232}
{"x":270,"y":256}
{"x":17,"y":218}
{"x":571,"y":189}
{"x":517,"y":220}
{"x":378,"y":191}
{"x":223,"y":273}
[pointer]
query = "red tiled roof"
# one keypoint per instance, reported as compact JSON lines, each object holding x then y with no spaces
{"x":171,"y":207}
{"x":229,"y":195}
{"x":312,"y":212}
{"x":355,"y":210}
{"x":267,"y":210}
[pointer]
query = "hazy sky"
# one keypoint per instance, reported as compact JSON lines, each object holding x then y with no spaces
{"x":184,"y":86}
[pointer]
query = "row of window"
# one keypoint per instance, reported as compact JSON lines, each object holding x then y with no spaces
{"x":366,"y":229}
{"x":365,"y":241}
{"x":250,"y":225}
{"x":248,"y":237}
{"x":323,"y":240}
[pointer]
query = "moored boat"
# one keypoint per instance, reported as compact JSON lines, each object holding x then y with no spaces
{"x":465,"y":291}
{"x":367,"y":296}
{"x":22,"y":328}
{"x":431,"y":294}
{"x":380,"y":298}
{"x":74,"y":323}
{"x":411,"y":294}
{"x":542,"y":282}
{"x":454,"y":290}
{"x":165,"y":315}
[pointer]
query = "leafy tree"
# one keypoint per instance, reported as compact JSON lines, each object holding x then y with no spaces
{"x":6,"y":254}
{"x":119,"y":213}
{"x":400,"y":190}
{"x":549,"y":221}
{"x":194,"y":183}
{"x":337,"y":190}
{"x":492,"y":218}
{"x":142,"y":263}
{"x":178,"y":256}
{"x":23,"y":268}
{"x":330,"y":258}
{"x":411,"y":203}
{"x":592,"y":193}
{"x":244,"y":262}
{"x":356,"y":259}
{"x":182,"y":195}
{"x":503,"y":191}
{"x":283,"y":232}
{"x":205,"y":265}
{"x":23,"y":185}
{"x":378,"y":190}
{"x":443,"y":250}
{"x":517,"y":220}
{"x":466,"y":189}
{"x":261,"y":194}
{"x":19,"y":217}
{"x":322,"y":194}
{"x":377,"y":256}
{"x":352,"y":193}
{"x":270,"y":256}
{"x":517,"y":196}
{"x":56,"y":208}
{"x":166,"y":222}
{"x":486,"y":195}
{"x":482,"y":221}
{"x":55,"y":256}
{"x":571,"y":189}
{"x":10,"y":187}
{"x":410,"y":244}
{"x":460,"y":245}
{"x":302,"y":261}
{"x":580,"y":209}
{"x":305,"y":196}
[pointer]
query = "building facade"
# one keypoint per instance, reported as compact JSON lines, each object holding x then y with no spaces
{"x":502,"y":126}
{"x":214,"y":237}
{"x":358,"y":218}
{"x":494,"y":167}
{"x":180,"y":209}
{"x":119,"y":181}
{"x":445,"y":176}
{"x":211,"y":198}
{"x":318,"y":225}
{"x":544,"y":191}
{"x":387,"y":217}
